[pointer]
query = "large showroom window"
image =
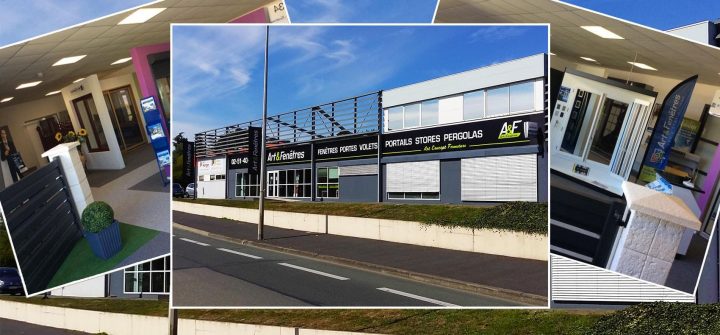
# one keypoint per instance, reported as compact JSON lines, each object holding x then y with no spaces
{"x":247,"y":185}
{"x":474,"y":105}
{"x":413,"y":180}
{"x":395,"y":118}
{"x":148,"y":277}
{"x":499,"y":178}
{"x":328,"y":182}
{"x":522,"y":97}
{"x":426,"y":113}
{"x":290,"y":183}
{"x":498,"y":101}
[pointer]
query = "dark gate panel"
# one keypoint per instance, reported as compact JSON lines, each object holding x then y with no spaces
{"x":42,"y":222}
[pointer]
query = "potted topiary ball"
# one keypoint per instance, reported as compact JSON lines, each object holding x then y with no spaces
{"x":101,"y":230}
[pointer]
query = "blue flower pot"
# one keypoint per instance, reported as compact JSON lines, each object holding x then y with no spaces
{"x":107,"y":242}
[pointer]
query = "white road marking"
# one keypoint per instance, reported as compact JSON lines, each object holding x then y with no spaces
{"x":192,"y":241}
{"x":239,"y":253}
{"x":410,"y":295}
{"x":314,"y":271}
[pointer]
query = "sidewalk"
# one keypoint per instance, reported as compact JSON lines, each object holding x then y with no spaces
{"x":512,"y":277}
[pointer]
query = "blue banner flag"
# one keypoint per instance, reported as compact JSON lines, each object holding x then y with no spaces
{"x":669,"y":121}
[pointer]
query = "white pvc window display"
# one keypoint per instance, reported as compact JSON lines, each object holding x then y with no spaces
{"x":247,"y":185}
{"x":149,"y":277}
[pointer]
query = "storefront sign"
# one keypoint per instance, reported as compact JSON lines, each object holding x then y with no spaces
{"x":188,"y":160}
{"x":354,"y":148}
{"x":505,"y":132}
{"x":238,"y":161}
{"x":213,"y":166}
{"x":671,"y":116}
{"x":288,"y":154}
{"x":254,"y":146}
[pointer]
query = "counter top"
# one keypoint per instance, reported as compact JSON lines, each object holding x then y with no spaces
{"x":660,"y":205}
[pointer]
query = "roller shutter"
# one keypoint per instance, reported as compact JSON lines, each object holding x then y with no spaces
{"x":358,"y":170}
{"x":499,"y":178}
{"x":413,"y":177}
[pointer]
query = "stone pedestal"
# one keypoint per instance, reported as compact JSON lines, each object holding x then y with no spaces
{"x":74,"y":173}
{"x":647,"y":246}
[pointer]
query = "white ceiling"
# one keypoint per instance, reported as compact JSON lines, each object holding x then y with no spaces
{"x":104,"y":42}
{"x":674,"y":57}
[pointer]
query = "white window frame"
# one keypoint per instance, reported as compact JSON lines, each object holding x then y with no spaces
{"x":279,"y":185}
{"x":237,"y":177}
{"x":166,"y":271}
{"x":326,"y":183}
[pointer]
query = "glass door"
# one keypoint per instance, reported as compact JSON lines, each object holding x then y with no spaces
{"x":273,"y":183}
{"x":125,"y":118}
{"x":90,"y":121}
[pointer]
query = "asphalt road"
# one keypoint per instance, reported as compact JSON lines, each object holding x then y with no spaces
{"x":208,"y":272}
{"x":19,"y":328}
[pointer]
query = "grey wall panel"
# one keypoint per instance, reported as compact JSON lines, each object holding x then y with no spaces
{"x":543,"y":177}
{"x":358,"y":189}
{"x":450,"y":181}
{"x":498,"y":74}
{"x":708,"y":291}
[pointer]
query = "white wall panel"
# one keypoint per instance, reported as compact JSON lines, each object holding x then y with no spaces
{"x":499,"y":178}
{"x":450,"y":109}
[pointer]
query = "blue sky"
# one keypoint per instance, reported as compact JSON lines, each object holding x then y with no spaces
{"x":659,"y":14}
{"x":217,"y":71}
{"x":359,"y":11}
{"x":23,"y":19}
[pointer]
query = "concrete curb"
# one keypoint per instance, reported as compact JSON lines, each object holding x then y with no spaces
{"x":517,"y":296}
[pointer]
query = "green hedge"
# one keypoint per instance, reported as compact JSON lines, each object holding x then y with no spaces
{"x":526,"y":217}
{"x":661,"y":318}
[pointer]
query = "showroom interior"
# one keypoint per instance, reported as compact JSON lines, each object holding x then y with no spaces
{"x":93,"y":76}
{"x":630,"y":69}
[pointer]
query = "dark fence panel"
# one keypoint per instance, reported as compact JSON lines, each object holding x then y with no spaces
{"x":42,"y":222}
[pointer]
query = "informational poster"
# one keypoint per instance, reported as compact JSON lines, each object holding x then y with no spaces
{"x":158,"y":136}
{"x":715,"y":104}
{"x":687,"y":135}
{"x":211,"y":167}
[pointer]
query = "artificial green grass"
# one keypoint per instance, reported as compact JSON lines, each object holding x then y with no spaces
{"x":524,"y":217}
{"x":82,"y":263}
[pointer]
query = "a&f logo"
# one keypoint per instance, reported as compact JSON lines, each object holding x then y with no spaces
{"x":509,"y":130}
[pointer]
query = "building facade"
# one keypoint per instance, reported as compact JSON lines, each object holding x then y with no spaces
{"x":472,"y":137}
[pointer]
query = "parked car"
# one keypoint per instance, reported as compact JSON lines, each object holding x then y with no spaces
{"x":178,"y":191}
{"x":10,"y":281}
{"x":190,"y":190}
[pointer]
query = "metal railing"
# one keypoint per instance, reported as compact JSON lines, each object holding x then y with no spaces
{"x":353,"y":116}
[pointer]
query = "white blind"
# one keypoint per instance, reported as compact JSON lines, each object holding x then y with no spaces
{"x":500,"y":178}
{"x":358,"y":170}
{"x":577,"y":281}
{"x":413,"y":177}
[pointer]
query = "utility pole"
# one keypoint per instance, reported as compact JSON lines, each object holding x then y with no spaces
{"x":263,"y":166}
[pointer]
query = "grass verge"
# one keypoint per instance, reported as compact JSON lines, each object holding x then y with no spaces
{"x":513,"y":216}
{"x":419,"y":322}
{"x":111,"y":305}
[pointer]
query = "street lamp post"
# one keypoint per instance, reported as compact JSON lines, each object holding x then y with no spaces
{"x":263,"y":166}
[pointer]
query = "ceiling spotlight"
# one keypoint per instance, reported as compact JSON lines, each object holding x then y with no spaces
{"x":26,"y":85}
{"x":602,"y":32}
{"x":643,"y":66}
{"x":69,"y":60}
{"x":589,"y":59}
{"x":6,"y":99}
{"x":141,"y":15}
{"x":78,"y":80}
{"x":121,"y":60}
{"x":52,"y":93}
